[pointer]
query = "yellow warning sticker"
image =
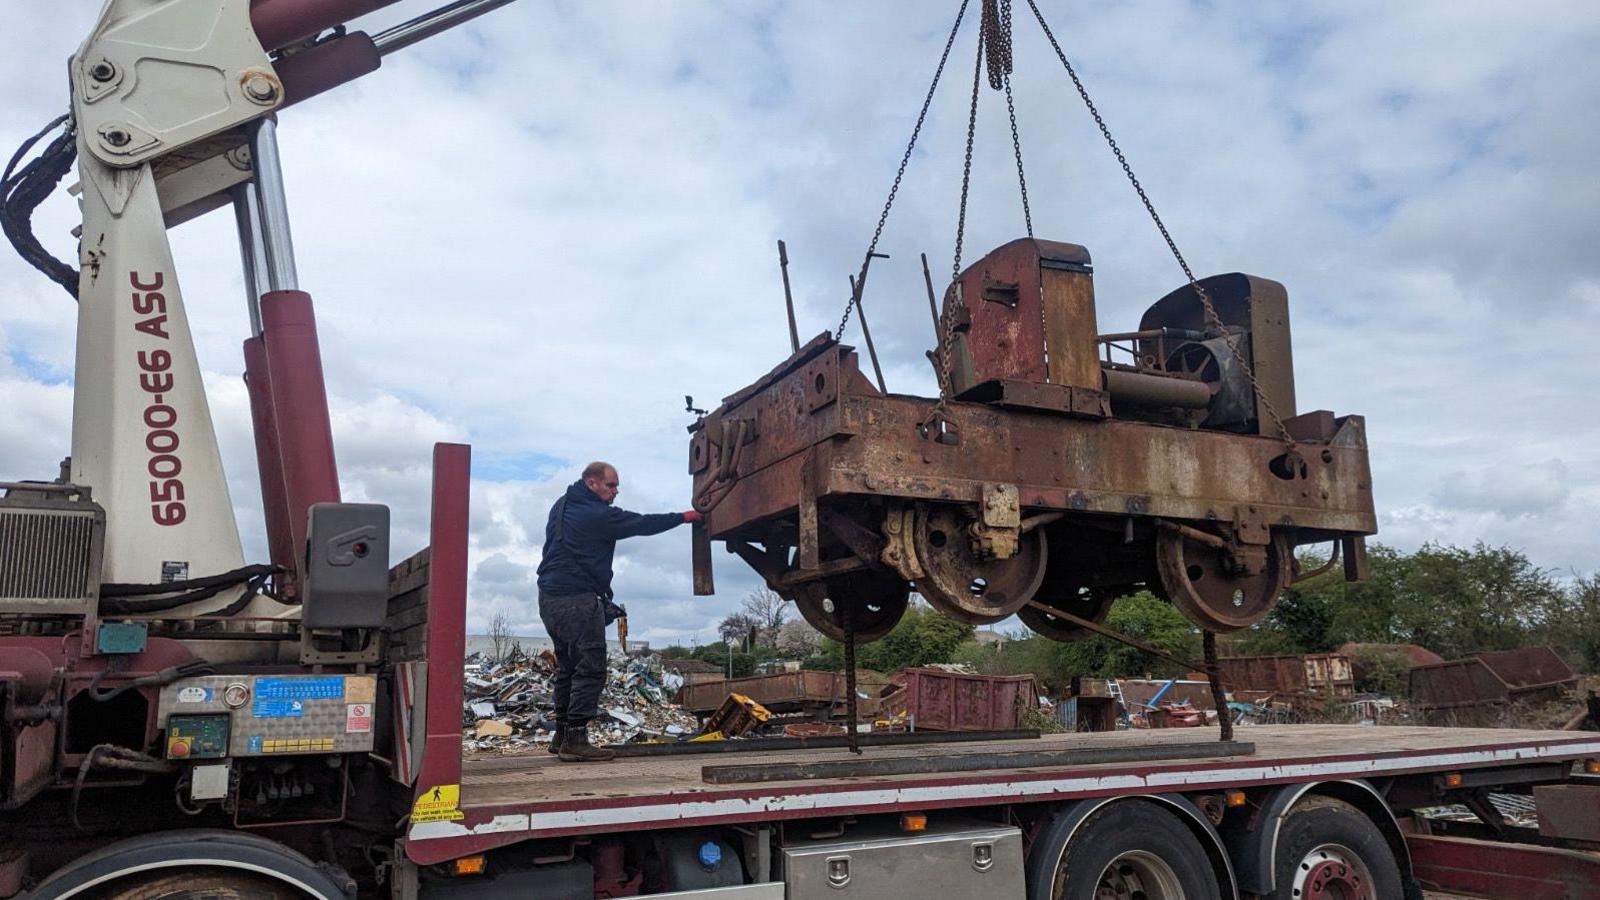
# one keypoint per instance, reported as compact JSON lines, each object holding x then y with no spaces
{"x":438,"y":804}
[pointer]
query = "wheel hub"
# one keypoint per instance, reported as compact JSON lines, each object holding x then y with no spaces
{"x":961,"y":582}
{"x":1138,"y":873}
{"x":1332,"y":872}
{"x":1089,"y":603}
{"x":1218,"y":589}
{"x":874,"y":600}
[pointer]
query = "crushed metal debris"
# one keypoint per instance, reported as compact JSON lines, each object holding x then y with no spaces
{"x":508,"y":703}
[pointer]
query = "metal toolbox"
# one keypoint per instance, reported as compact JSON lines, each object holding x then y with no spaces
{"x":949,"y":859}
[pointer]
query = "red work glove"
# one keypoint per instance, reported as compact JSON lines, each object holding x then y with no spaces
{"x":691,"y":516}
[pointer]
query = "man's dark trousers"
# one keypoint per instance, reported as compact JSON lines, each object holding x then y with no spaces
{"x":577,"y":626}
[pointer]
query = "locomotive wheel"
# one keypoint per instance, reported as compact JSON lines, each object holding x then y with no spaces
{"x":876,"y":601}
{"x":1089,"y":603}
{"x":969,"y":589}
{"x":1195,"y":577}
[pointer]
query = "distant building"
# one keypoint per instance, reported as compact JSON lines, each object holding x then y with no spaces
{"x":988,"y":637}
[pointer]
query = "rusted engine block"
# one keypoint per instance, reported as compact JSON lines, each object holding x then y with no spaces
{"x":1057,"y":477}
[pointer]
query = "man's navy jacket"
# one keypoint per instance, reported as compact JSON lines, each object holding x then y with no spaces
{"x":577,"y":552}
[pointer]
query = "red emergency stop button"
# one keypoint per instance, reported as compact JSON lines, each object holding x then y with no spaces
{"x":178,"y":749}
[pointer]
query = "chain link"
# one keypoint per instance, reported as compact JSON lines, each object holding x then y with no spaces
{"x":1011,"y":106}
{"x":997,"y":37}
{"x":1016,"y":145}
{"x":966,"y":165}
{"x":1205,"y":299}
{"x":905,"y":160}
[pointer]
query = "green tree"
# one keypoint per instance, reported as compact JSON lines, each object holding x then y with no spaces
{"x":1381,"y":671}
{"x":719,"y":655}
{"x":1025,"y":654}
{"x":922,"y":637}
{"x":1323,"y":612}
{"x":1575,"y":629}
{"x":1452,"y":600}
{"x":1456,"y":601}
{"x":1141,"y":616}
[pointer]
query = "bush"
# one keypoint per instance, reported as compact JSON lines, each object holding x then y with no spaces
{"x":1141,"y":616}
{"x":1381,"y":671}
{"x":744,"y":664}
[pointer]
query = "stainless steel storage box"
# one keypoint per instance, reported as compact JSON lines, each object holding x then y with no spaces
{"x":950,"y":860}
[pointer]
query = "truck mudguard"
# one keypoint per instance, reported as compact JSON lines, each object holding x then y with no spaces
{"x":1254,"y":846}
{"x":200,"y":848}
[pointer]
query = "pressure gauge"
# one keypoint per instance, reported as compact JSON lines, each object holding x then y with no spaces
{"x":236,"y":695}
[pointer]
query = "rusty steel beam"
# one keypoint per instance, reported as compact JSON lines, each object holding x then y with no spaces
{"x":1073,"y":465}
{"x":1494,"y":869}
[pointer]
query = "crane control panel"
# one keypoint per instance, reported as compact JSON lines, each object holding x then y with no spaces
{"x":217,"y":716}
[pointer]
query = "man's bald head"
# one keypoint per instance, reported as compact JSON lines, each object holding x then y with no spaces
{"x":601,"y":480}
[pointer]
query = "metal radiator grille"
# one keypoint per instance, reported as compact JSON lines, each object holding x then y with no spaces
{"x":47,"y":559}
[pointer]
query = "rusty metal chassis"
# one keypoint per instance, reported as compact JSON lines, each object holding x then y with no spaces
{"x":821,"y":442}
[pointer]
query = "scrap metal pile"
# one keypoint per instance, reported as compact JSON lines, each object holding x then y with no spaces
{"x":1059,"y":468}
{"x":508,"y":703}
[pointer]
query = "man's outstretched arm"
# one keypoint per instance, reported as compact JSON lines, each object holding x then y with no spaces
{"x":621,"y":523}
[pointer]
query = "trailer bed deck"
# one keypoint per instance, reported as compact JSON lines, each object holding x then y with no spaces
{"x":506,"y":799}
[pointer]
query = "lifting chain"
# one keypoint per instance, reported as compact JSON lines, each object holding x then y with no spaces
{"x":905,"y":160}
{"x":1205,"y":299}
{"x":995,"y":57}
{"x":966,"y":165}
{"x":1001,"y":63}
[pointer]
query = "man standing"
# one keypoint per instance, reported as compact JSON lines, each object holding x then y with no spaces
{"x":575,"y":597}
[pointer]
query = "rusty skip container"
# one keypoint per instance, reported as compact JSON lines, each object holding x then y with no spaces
{"x":1321,"y":674}
{"x":785,"y":692}
{"x":1491,"y":678}
{"x":936,"y":700}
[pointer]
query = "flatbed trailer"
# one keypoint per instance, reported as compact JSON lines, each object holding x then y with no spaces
{"x":512,"y":798}
{"x":1294,"y":812}
{"x":1384,"y":772}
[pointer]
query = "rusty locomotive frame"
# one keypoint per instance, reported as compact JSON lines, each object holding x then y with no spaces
{"x":1065,"y":468}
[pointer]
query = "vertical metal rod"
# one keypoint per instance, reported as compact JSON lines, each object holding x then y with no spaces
{"x":788,"y":298}
{"x":277,"y":244}
{"x":1219,"y":697}
{"x":246,"y":214}
{"x":853,"y":736}
{"x":933,"y":305}
{"x":861,"y":316}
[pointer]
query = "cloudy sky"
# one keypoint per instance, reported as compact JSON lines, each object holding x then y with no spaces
{"x":539,"y":232}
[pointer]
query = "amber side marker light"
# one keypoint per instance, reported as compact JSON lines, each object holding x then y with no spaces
{"x":913,"y":822}
{"x":476,"y":864}
{"x":1234,"y":798}
{"x":1591,"y":767}
{"x":1452,"y":779}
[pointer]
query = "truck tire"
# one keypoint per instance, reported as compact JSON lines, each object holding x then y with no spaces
{"x":1329,"y":849}
{"x":203,"y":885}
{"x":1129,"y":848}
{"x":198,"y":864}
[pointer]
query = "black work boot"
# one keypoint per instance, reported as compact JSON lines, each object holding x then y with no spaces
{"x":560,"y":735}
{"x":576,"y":746}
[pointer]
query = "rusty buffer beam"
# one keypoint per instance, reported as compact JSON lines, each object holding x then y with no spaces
{"x":1065,"y":468}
